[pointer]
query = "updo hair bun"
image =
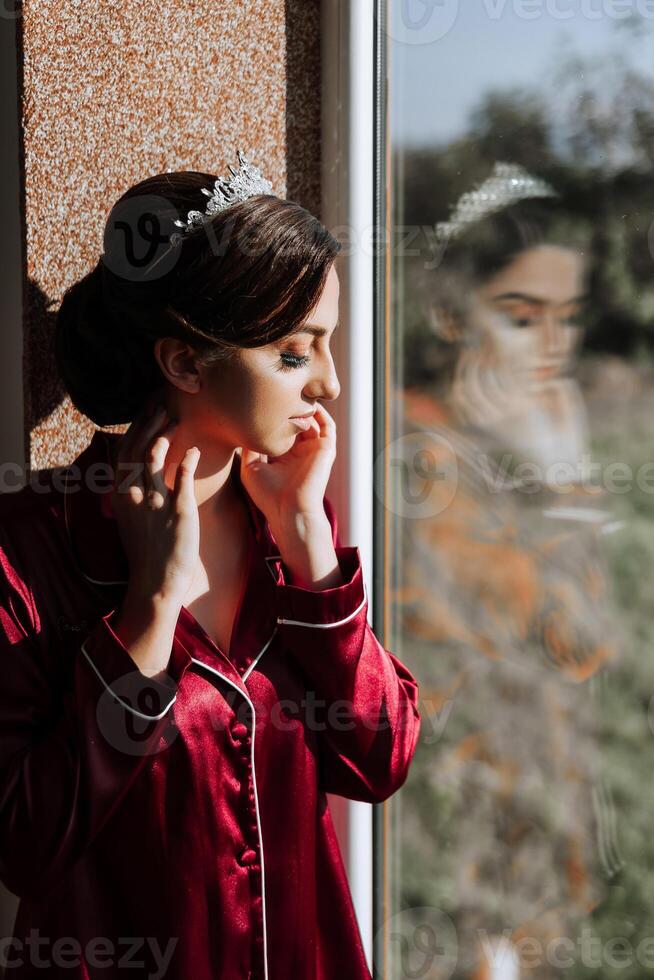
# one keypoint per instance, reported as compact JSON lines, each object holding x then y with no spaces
{"x":107,"y":367}
{"x":247,"y":277}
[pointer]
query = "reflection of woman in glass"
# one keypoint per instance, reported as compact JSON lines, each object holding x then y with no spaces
{"x":505,"y":587}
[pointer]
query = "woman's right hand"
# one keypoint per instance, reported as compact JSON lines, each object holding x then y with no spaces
{"x":159,"y":528}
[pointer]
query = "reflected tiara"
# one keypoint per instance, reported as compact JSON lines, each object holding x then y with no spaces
{"x":244,"y":183}
{"x":508,"y":183}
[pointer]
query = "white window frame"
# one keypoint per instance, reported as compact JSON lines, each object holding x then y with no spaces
{"x":348,"y":114}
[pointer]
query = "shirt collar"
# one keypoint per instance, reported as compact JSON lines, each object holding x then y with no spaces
{"x":100,"y":557}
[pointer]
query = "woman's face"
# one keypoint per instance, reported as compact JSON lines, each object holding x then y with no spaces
{"x":533,"y":305}
{"x":249,"y":400}
{"x":518,"y":380}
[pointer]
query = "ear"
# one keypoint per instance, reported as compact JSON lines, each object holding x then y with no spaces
{"x":177,"y":362}
{"x":445,"y":325}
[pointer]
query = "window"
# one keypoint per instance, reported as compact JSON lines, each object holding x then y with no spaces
{"x":514,"y":484}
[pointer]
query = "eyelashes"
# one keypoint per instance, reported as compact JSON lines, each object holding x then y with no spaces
{"x":288,"y":362}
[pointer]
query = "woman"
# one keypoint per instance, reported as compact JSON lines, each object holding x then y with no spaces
{"x":508,"y":600}
{"x":187,"y":662}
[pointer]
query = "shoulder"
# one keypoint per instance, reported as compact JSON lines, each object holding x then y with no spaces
{"x":30,"y":519}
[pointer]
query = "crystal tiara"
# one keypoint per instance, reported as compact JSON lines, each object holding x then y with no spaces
{"x":508,"y":183}
{"x":244,"y":183}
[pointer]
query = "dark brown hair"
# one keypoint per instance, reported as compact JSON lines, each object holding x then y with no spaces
{"x":247,"y":277}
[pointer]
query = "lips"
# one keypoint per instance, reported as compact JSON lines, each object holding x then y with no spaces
{"x":303,"y":421}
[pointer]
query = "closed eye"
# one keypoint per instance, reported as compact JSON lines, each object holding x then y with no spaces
{"x":289,"y":361}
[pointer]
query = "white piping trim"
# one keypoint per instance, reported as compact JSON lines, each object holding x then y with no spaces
{"x":200,"y":663}
{"x":140,"y":714}
{"x":246,"y":673}
{"x":328,"y":626}
{"x":270,"y":558}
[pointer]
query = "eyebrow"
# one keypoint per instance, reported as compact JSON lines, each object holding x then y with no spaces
{"x":316,"y":331}
{"x":526,"y":298}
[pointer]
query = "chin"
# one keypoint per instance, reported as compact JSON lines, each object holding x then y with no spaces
{"x":274,"y":447}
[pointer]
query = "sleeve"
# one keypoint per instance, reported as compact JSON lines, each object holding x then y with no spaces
{"x":364,"y":701}
{"x":73,"y":738}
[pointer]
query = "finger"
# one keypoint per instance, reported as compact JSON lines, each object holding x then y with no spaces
{"x":155,"y":460}
{"x":132,"y":444}
{"x":326,"y":424}
{"x":146,"y":429}
{"x":137,"y":450}
{"x":323,"y":415}
{"x":127,"y":485}
{"x":184,"y":489}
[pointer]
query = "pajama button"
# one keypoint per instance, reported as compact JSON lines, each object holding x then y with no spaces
{"x":239,"y":732}
{"x":247,"y":857}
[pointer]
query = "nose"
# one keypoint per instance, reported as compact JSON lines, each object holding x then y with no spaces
{"x":554,"y":335}
{"x":325,"y":383}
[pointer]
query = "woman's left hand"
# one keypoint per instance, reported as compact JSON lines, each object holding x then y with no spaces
{"x":292,"y":485}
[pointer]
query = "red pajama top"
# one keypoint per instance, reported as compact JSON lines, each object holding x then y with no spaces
{"x":179,"y":828}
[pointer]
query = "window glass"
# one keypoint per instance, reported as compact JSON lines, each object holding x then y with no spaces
{"x":520,"y":487}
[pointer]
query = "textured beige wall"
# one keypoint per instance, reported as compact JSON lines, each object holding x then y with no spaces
{"x":116,"y":90}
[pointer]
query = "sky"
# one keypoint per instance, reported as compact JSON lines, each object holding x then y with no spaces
{"x":445,"y":54}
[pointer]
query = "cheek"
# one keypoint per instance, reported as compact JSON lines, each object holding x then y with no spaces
{"x":257,"y":400}
{"x":513,"y":345}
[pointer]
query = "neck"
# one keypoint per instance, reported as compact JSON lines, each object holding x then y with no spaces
{"x":215,"y":493}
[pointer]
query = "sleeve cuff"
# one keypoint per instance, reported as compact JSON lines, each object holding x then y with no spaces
{"x":325,"y":608}
{"x":146,"y":697}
